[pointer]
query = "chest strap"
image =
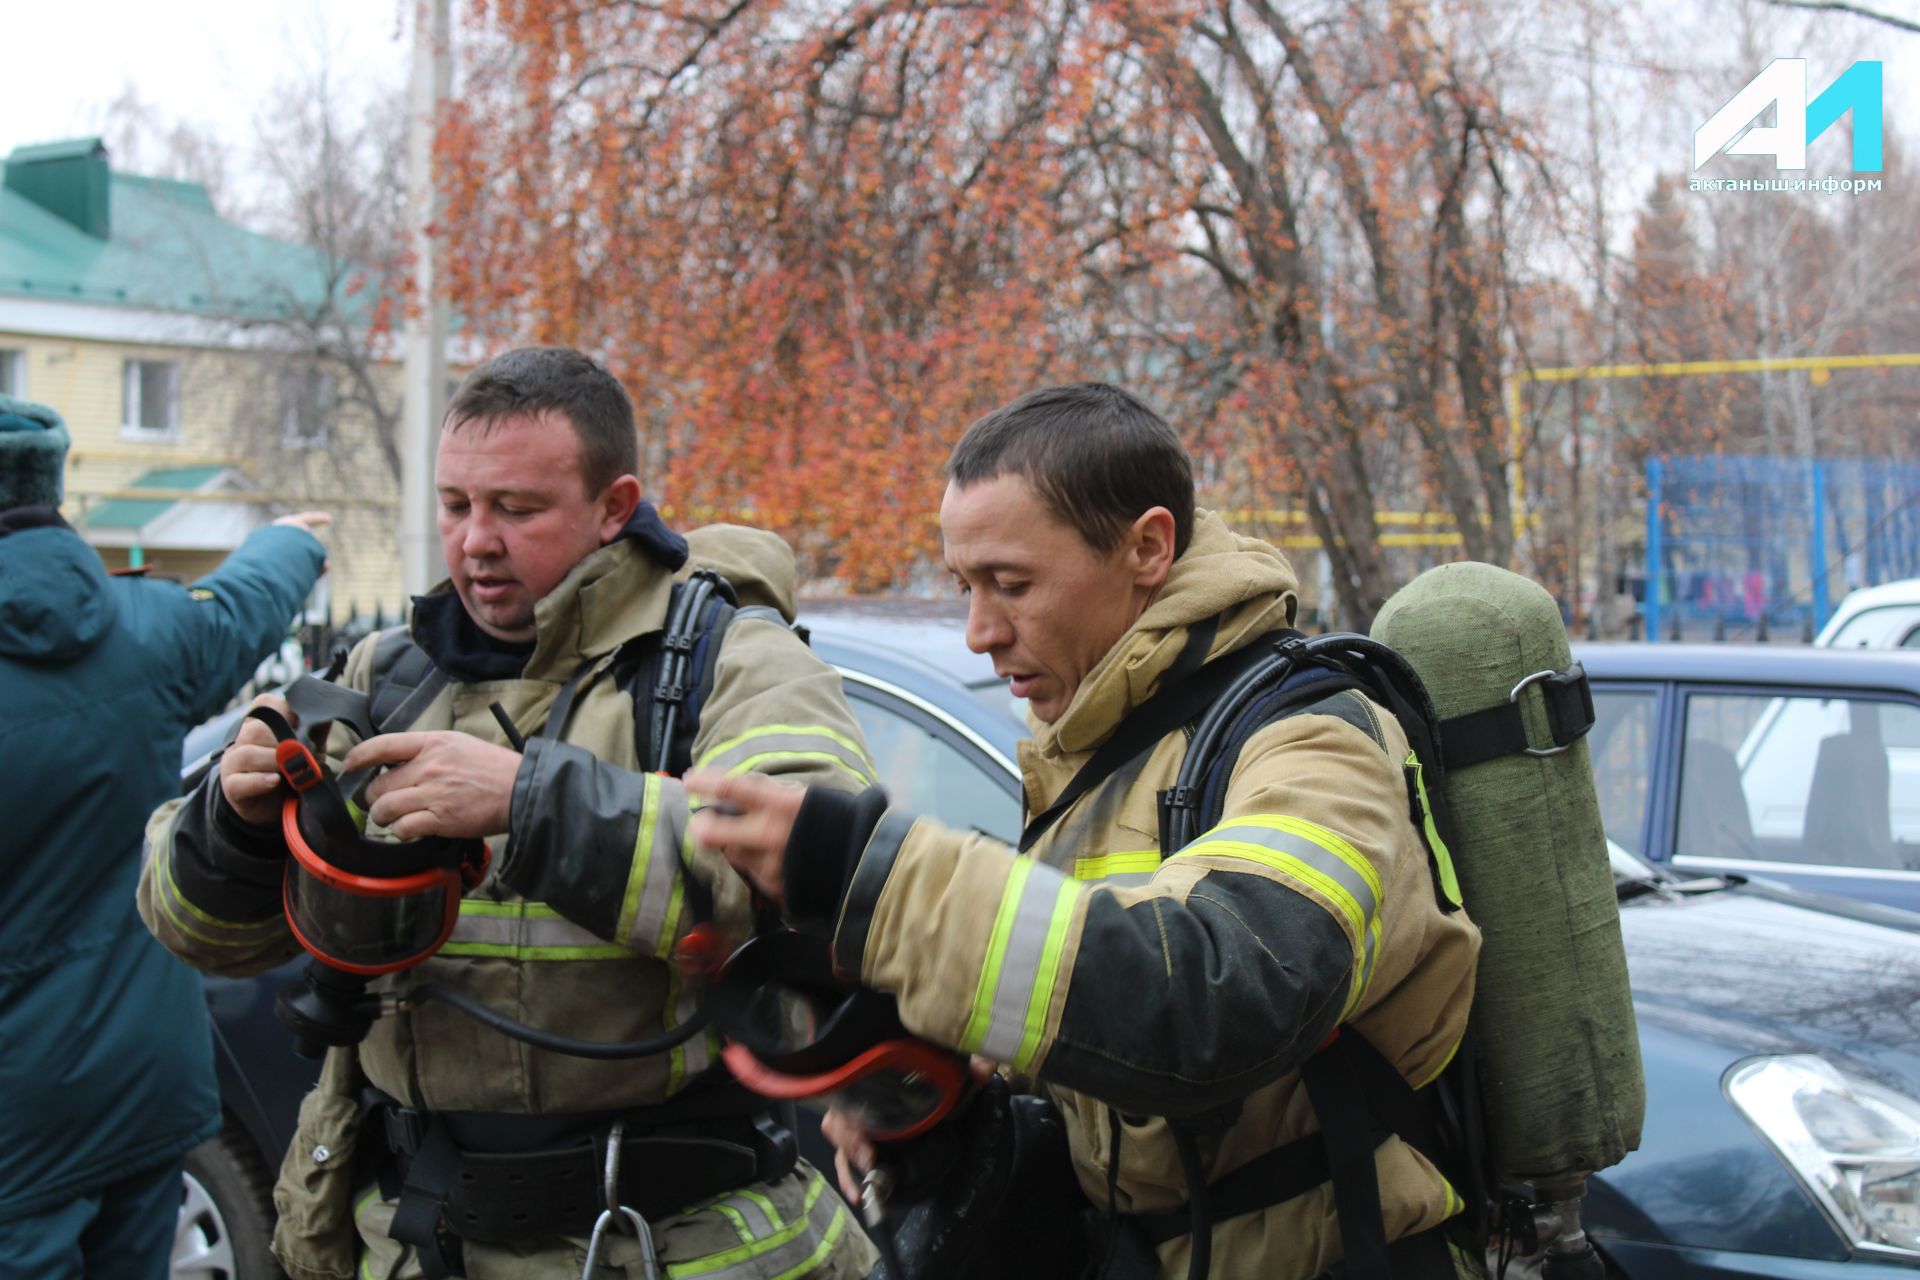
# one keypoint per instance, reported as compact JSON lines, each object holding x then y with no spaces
{"x":1361,"y":1100}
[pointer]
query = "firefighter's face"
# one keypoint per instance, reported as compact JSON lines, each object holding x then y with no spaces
{"x":515,"y":515}
{"x":1042,"y":602}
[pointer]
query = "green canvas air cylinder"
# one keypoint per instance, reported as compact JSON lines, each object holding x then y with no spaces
{"x":1561,"y":1054}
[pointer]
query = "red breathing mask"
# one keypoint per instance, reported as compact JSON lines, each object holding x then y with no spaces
{"x":794,"y":1032}
{"x":363,"y":906}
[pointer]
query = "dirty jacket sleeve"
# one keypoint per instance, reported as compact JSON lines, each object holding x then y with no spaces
{"x":607,"y":847}
{"x":1220,"y":974}
{"x":210,"y":886}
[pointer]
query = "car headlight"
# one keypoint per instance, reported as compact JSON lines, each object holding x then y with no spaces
{"x":1854,"y":1144}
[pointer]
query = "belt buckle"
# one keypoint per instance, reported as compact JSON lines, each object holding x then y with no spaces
{"x":405,"y":1131}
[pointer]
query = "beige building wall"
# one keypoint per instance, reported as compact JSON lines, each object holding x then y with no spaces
{"x":230,"y":414}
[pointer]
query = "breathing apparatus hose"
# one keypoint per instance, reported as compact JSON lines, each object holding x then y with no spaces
{"x":599,"y":1050}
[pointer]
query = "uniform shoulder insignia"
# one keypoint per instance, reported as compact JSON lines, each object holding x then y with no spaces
{"x":200,"y":594}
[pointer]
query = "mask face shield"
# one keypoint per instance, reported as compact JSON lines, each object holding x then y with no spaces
{"x":362,"y":906}
{"x":365,"y":925}
{"x":896,"y":1090}
{"x":794,"y":1033}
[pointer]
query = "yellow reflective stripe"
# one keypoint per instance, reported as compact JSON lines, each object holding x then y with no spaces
{"x":669,"y":1019}
{"x":1022,"y":963}
{"x":812,"y":757}
{"x":1444,"y":1064}
{"x":526,"y":910}
{"x":975,"y":1031}
{"x":358,"y":815}
{"x":1331,"y":841}
{"x":718,"y":1262}
{"x":1363,"y":969}
{"x":1442,"y":856}
{"x":739,"y":1223}
{"x":832,"y":1237}
{"x":256,"y":932}
{"x":1100,"y":866}
{"x":794,"y":730}
{"x":1307,"y":873}
{"x":524,"y":931}
{"x":1043,"y":981}
{"x":766,"y":1206}
{"x":512,"y":951}
{"x":642,"y":856}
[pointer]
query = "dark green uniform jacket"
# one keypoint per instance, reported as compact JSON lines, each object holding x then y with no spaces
{"x":106,"y":1064}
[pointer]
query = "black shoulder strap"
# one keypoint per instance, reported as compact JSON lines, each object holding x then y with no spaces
{"x":670,"y":673}
{"x":1177,"y":702}
{"x":404,"y":681}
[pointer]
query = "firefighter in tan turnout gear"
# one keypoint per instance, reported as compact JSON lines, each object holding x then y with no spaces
{"x":557,"y":569}
{"x":1136,"y":983}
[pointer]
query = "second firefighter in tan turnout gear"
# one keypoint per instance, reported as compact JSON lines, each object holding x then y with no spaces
{"x":551,"y":581}
{"x":1112,"y":972}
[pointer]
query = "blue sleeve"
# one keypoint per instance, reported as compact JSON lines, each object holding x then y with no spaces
{"x":241,"y":613}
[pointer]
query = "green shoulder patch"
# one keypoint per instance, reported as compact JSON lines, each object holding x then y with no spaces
{"x":200,"y":593}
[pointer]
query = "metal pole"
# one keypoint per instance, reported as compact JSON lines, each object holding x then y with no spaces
{"x":425,"y":374}
{"x":1652,"y":630}
{"x":1817,"y":551}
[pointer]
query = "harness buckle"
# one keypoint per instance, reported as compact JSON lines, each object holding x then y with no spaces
{"x":1568,"y":698}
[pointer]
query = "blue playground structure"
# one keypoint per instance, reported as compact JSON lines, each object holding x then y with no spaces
{"x":1753,"y":546}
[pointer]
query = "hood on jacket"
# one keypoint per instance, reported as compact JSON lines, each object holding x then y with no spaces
{"x":1243,"y":582}
{"x":54,"y":602}
{"x":756,"y":563}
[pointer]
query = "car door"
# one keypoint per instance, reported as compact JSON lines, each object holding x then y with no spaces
{"x":931,"y":762}
{"x":1818,"y":787}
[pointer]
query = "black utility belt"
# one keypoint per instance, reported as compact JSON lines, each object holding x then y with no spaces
{"x":537,"y":1180}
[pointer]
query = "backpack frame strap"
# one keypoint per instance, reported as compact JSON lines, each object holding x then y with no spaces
{"x":404,"y":681}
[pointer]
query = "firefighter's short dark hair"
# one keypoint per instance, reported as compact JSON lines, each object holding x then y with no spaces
{"x":536,"y":380}
{"x":1097,"y":455}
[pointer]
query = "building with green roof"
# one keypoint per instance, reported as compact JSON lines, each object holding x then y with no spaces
{"x":170,"y":338}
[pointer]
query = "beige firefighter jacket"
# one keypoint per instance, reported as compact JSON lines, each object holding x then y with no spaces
{"x":1171,"y":986}
{"x":573,"y":929}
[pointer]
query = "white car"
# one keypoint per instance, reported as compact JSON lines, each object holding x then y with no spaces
{"x":1882,"y":617}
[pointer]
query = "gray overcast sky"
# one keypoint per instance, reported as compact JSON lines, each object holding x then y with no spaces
{"x":209,"y":63}
{"x":213,"y":63}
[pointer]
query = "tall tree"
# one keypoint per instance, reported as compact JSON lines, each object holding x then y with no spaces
{"x":816,"y":239}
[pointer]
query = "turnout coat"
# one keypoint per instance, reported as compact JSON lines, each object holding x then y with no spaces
{"x":573,"y":929}
{"x":1174,"y":981}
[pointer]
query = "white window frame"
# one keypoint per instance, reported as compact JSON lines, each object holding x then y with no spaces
{"x":13,"y":372}
{"x":131,"y":384}
{"x":295,"y":382}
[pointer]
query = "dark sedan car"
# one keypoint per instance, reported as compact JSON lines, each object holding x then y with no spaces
{"x":1780,"y":1030}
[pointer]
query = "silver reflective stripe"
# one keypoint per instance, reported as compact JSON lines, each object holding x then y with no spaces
{"x":1020,"y":964}
{"x":792,"y":1251}
{"x":750,"y":1213}
{"x":654,"y":879}
{"x":1315,"y":855}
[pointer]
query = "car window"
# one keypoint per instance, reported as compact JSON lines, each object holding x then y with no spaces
{"x":1621,"y":745}
{"x":1874,"y":628}
{"x":1912,"y":640}
{"x":1826,"y":781}
{"x":927,"y":774}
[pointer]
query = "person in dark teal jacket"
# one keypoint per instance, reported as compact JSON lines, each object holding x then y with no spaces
{"x":106,"y":1059}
